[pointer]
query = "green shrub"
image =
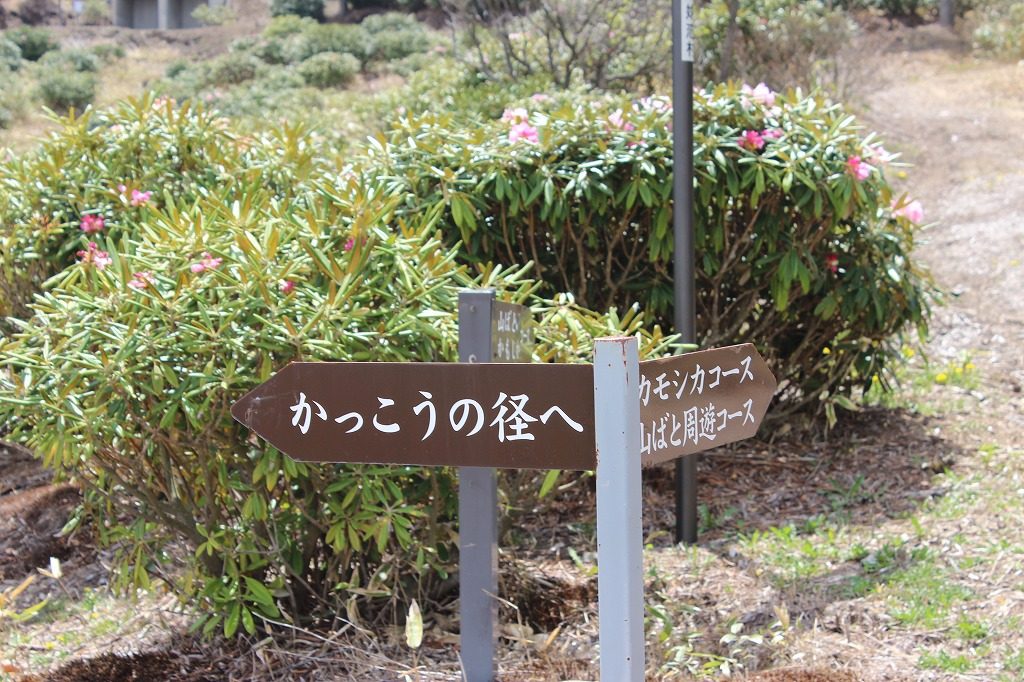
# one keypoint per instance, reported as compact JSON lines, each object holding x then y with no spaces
{"x":396,"y":45}
{"x":33,"y":42}
{"x":329,"y":70}
{"x":794,"y":253}
{"x":313,"y":9}
{"x":141,"y":145}
{"x":232,"y":69}
{"x":347,"y":38}
{"x":391,"y":22}
{"x":124,"y":376}
{"x":95,"y":13}
{"x":10,"y":55}
{"x":594,"y":43}
{"x":287,"y":25}
{"x":208,"y":15}
{"x":108,"y":52}
{"x":71,"y":60}
{"x":177,"y":68}
{"x":774,"y":41}
{"x":13,"y":102}
{"x":999,"y":29}
{"x":64,"y":90}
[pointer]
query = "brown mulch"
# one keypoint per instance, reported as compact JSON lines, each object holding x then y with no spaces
{"x":33,"y":512}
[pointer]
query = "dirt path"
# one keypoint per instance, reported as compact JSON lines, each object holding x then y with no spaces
{"x":961,"y":123}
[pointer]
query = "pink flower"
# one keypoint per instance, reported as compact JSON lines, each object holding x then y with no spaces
{"x":878,"y":153}
{"x":287,"y":286}
{"x":523,"y":131}
{"x":92,"y":223}
{"x":771,"y":133}
{"x":515,"y":116}
{"x":207,"y":262}
{"x":622,"y":124}
{"x":142,"y":279}
{"x":540,"y":98}
{"x":350,"y":244}
{"x":122,"y":188}
{"x":760,"y":93}
{"x":93,"y":256}
{"x":913,"y":211}
{"x":140,"y":198}
{"x":858,"y":168}
{"x":750,"y":139}
{"x":832,"y":262}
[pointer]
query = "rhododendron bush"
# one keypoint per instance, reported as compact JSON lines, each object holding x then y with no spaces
{"x":123,"y":373}
{"x":803,"y":247}
{"x":102,"y":173}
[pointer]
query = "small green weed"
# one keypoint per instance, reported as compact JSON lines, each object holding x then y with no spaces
{"x":970,"y":630}
{"x":946,"y":662}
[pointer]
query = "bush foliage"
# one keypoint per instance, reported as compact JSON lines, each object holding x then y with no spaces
{"x":313,"y":9}
{"x":95,"y":163}
{"x":159,"y":328}
{"x":800,"y":248}
{"x":33,"y":42}
{"x":329,"y":70}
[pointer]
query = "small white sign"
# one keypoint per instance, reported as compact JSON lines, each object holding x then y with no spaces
{"x":686,"y":28}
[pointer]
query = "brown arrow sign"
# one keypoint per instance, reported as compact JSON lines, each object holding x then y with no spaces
{"x":697,"y":401}
{"x":442,"y":414}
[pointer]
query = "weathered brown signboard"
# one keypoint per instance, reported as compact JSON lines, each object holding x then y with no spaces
{"x":697,"y":401}
{"x":444,"y":414}
{"x":511,"y":332}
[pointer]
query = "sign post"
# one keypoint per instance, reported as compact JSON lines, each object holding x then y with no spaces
{"x":530,"y":416}
{"x":683,"y":270}
{"x":620,"y":565}
{"x":478,"y":515}
{"x":489,"y":331}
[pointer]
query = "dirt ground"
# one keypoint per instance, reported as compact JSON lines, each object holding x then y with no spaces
{"x":960,"y":122}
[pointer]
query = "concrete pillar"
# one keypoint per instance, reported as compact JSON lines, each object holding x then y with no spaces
{"x":165,"y":14}
{"x":121,"y":11}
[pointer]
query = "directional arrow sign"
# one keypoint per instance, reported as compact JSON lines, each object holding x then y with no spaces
{"x":696,"y":401}
{"x":443,"y":414}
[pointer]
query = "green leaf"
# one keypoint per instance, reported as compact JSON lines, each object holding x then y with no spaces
{"x":550,"y":479}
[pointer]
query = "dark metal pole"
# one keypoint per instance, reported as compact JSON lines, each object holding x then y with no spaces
{"x":682,"y":231}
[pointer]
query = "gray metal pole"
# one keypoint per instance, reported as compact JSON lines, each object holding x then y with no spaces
{"x":682,"y":230}
{"x":620,"y":564}
{"x":478,"y":515}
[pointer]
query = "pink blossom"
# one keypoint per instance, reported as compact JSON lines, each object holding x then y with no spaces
{"x":122,"y":188}
{"x":515,"y":116}
{"x":760,"y":93}
{"x":858,"y":168}
{"x":93,"y":256}
{"x":523,"y":131}
{"x":350,"y":244}
{"x":140,"y":198}
{"x":877,"y":152}
{"x":142,"y":279}
{"x":832,"y":262}
{"x":771,"y":133}
{"x":750,"y":139}
{"x":207,"y":262}
{"x":540,"y":98}
{"x":92,"y":223}
{"x":616,"y":120}
{"x":913,"y":211}
{"x":287,"y":286}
